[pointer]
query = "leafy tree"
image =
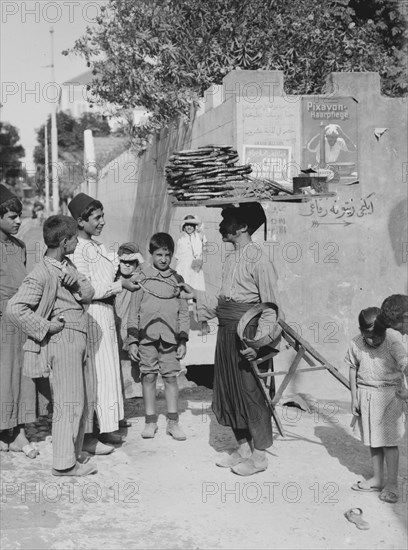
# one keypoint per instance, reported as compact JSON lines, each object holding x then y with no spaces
{"x":163,"y":54}
{"x":10,"y":153}
{"x":70,"y":148}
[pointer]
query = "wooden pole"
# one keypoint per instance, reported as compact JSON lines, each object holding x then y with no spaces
{"x":54,"y":139}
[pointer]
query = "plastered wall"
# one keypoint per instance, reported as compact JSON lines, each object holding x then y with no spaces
{"x":334,"y":256}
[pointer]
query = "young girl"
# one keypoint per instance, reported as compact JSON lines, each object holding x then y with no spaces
{"x":129,"y":260}
{"x":377,"y":360}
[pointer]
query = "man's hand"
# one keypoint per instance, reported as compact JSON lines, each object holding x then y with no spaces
{"x":188,"y":292}
{"x":181,"y":351}
{"x":69,"y":278}
{"x":249,"y":354}
{"x":131,"y":283}
{"x":134,"y":352}
{"x":354,"y":408}
{"x":56,"y":325}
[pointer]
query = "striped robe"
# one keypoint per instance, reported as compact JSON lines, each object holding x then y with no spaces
{"x":92,"y":260}
{"x":61,"y":356}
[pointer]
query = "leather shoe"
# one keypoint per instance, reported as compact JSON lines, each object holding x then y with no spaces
{"x":149,"y":430}
{"x":249,"y":467}
{"x":110,"y":437}
{"x":77,"y":470}
{"x":95,"y":447}
{"x":173,"y":429}
{"x":228,"y":461}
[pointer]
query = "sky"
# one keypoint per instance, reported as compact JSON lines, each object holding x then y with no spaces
{"x":27,"y":97}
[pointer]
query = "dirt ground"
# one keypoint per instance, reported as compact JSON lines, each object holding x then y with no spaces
{"x":163,"y":493}
{"x":167,"y":494}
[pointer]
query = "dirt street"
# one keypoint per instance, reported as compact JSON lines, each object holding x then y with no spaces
{"x":162,"y":493}
{"x":166,"y":494}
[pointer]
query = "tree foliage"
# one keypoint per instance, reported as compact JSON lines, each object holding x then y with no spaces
{"x":70,"y":148}
{"x":163,"y":54}
{"x":11,"y":153}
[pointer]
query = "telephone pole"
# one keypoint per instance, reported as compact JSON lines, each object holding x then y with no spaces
{"x":54,"y":138}
{"x":46,"y":175}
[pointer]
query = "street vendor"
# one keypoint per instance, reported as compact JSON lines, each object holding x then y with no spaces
{"x":248,"y":278}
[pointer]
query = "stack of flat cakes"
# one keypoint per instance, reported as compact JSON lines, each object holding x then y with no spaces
{"x":206,"y":173}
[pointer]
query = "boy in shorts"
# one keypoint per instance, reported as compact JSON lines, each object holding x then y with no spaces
{"x":157,"y":332}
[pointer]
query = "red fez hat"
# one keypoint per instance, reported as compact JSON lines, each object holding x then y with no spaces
{"x":6,"y":194}
{"x":78,"y":204}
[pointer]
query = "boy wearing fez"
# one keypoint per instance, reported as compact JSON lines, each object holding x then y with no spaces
{"x":17,"y":392}
{"x":49,"y":308}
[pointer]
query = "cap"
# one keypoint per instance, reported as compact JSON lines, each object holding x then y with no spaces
{"x":6,"y":194}
{"x":78,"y":204}
{"x":129,"y":252}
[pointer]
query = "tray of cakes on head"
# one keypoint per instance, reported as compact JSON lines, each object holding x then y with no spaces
{"x":211,"y":176}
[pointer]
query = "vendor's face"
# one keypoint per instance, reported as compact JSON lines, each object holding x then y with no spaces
{"x":228,"y":229}
{"x":189,"y":228}
{"x":95,"y":223}
{"x":161,"y":258}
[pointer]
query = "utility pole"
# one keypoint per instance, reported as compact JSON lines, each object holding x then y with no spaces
{"x":54,"y":138}
{"x":47,"y":176}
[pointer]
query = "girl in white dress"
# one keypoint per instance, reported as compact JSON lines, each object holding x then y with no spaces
{"x":189,"y":253}
{"x":92,"y":259}
{"x":377,"y":361}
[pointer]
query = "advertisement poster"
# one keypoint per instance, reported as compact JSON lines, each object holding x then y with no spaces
{"x":269,"y":162}
{"x":329,"y":137}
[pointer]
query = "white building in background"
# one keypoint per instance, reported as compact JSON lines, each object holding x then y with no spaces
{"x":76,"y":98}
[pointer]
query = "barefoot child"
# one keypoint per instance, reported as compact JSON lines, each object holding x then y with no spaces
{"x":157,"y":335}
{"x":17,"y":392}
{"x":48,"y":307}
{"x":376,"y":360}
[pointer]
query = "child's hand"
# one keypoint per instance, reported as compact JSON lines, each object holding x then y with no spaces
{"x":69,"y":278}
{"x":131,"y":283}
{"x":181,"y":351}
{"x":134,"y":352}
{"x":188,"y":292}
{"x":56,"y":325}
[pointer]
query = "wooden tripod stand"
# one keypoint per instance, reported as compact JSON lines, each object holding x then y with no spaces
{"x":304,"y":351}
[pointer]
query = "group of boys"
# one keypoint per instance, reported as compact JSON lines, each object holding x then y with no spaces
{"x":45,"y":311}
{"x":49,"y":306}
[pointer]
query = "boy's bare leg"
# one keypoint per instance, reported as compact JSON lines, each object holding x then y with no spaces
{"x":149,"y":398}
{"x":149,"y":393}
{"x":171,"y":391}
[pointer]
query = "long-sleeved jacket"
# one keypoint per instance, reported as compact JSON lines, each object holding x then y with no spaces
{"x":151,"y":318}
{"x":31,"y":308}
